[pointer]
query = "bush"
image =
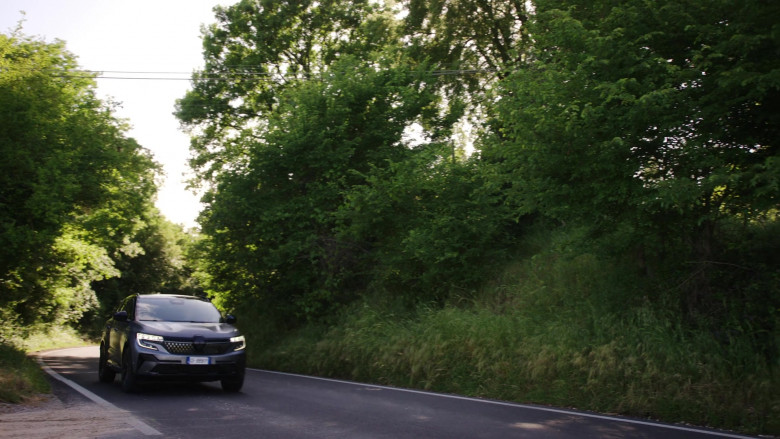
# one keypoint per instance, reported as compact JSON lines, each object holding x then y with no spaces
{"x":571,"y":330}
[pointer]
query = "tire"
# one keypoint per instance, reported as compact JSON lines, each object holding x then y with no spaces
{"x":233,"y":385}
{"x":129,"y":380}
{"x":105,"y":373}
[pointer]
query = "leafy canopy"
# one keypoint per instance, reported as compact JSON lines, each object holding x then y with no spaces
{"x":73,"y":187}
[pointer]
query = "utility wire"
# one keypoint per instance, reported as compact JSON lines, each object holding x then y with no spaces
{"x":229,"y":75}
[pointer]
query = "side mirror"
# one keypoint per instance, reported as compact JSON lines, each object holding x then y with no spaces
{"x":230,"y":319}
{"x":120,"y":316}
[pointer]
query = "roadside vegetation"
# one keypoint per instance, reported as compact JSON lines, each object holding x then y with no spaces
{"x":21,"y":379}
{"x":20,"y":376}
{"x":561,"y":202}
{"x":78,"y":226}
{"x":555,"y":328}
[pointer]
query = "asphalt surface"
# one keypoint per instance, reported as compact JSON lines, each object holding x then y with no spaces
{"x":276,"y":405}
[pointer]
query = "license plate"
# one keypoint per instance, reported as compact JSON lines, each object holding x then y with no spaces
{"x":198,"y":360}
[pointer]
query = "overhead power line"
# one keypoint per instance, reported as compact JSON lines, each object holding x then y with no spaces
{"x":223,"y":76}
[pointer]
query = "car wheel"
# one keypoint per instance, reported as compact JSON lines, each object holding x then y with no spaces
{"x":233,"y":384}
{"x":128,"y":374}
{"x":105,"y":374}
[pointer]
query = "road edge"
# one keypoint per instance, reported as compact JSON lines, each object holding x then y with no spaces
{"x":584,"y":414}
{"x":127,"y":417}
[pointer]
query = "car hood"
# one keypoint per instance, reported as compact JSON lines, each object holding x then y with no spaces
{"x":187,"y":330}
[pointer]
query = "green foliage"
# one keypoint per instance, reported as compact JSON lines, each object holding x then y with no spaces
{"x":154,"y":259}
{"x":20,"y":376}
{"x":560,"y":328}
{"x":647,"y":128}
{"x":266,"y":47}
{"x":44,"y":336}
{"x":628,"y":104}
{"x":630,"y":117}
{"x":431,"y":225}
{"x":73,"y":187}
{"x":283,"y":141}
{"x":271,"y":225}
{"x":308,"y":159}
{"x":470,"y":34}
{"x":626,"y":180}
{"x":77,"y":263}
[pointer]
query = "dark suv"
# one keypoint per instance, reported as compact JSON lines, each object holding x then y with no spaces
{"x":173,"y":337}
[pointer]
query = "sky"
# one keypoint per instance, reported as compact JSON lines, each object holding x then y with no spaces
{"x":133,"y":36}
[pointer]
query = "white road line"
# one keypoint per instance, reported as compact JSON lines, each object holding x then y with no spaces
{"x":523,"y":406}
{"x":127,"y":417}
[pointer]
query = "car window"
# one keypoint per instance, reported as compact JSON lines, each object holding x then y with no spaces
{"x":176,"y":309}
{"x":128,"y":305}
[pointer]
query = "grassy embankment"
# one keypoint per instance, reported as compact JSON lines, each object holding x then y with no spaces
{"x":568,"y":331}
{"x":21,"y":378}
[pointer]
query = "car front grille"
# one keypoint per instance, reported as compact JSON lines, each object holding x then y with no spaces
{"x":191,"y":348}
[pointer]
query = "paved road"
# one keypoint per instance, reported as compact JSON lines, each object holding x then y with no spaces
{"x":275,"y":405}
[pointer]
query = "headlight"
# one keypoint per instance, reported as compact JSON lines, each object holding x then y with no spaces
{"x":239,"y":343}
{"x":145,"y":339}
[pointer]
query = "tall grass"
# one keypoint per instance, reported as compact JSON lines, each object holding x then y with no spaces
{"x":20,"y":376}
{"x":43,"y":337}
{"x":558,"y":330}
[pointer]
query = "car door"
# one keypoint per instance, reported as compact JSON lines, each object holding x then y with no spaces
{"x":118,"y":330}
{"x":110,"y":335}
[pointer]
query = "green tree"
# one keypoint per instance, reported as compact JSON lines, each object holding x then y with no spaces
{"x":301,"y":147}
{"x":328,"y":98}
{"x":434,"y":226}
{"x":271,"y":223}
{"x":72,"y":185}
{"x":254,"y":51}
{"x":152,"y":259}
{"x":470,"y":34}
{"x":470,"y":45}
{"x":656,"y":120}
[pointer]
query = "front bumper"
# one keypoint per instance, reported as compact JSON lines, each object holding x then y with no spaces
{"x":159,"y":365}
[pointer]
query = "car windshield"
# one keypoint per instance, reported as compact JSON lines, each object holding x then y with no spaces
{"x":176,"y":309}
